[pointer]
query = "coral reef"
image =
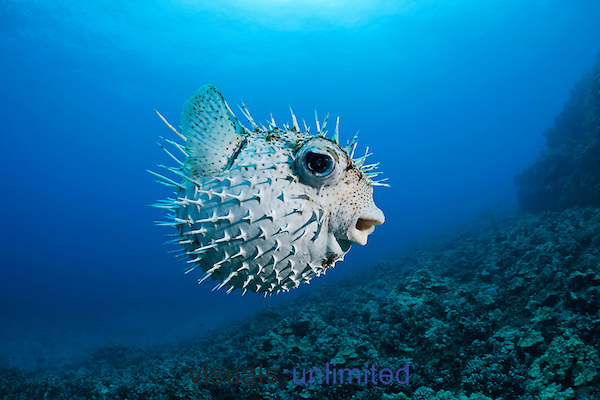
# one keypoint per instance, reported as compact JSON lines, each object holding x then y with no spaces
{"x":507,"y":312}
{"x":567,"y":174}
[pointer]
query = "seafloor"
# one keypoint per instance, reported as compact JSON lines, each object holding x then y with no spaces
{"x":507,"y":309}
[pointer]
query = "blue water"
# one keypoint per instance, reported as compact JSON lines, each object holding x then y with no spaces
{"x":452,"y":97}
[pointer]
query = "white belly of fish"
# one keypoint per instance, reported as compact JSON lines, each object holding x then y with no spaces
{"x":227,"y":233}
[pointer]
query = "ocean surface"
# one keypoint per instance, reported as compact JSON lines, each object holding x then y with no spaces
{"x":452,"y":98}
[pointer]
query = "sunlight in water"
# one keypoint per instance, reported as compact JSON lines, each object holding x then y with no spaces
{"x":303,"y":14}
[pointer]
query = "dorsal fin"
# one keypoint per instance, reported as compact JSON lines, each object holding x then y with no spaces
{"x":213,"y":133}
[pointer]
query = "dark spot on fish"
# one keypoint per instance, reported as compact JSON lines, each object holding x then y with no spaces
{"x":328,"y":262}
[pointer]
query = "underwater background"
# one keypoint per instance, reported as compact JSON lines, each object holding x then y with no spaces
{"x":452,"y":97}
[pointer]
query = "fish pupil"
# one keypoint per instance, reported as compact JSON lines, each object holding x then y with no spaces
{"x":318,"y":164}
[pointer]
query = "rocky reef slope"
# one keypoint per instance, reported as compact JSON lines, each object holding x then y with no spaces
{"x":567,"y":174}
{"x":506,"y":312}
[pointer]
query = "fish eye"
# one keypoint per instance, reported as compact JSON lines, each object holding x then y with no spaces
{"x":318,"y":163}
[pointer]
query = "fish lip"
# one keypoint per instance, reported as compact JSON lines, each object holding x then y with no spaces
{"x":363,"y":224}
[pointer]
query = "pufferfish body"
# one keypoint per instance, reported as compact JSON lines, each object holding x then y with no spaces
{"x":266,"y":209}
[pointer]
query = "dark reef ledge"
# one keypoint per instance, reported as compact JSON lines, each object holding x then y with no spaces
{"x":507,"y":311}
{"x":567,"y":174}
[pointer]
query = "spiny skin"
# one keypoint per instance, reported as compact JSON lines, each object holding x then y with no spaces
{"x":268,"y":209}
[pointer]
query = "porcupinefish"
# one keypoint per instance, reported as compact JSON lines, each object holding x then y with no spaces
{"x":264,"y":209}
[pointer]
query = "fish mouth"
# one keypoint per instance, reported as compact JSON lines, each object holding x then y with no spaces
{"x":363,"y":225}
